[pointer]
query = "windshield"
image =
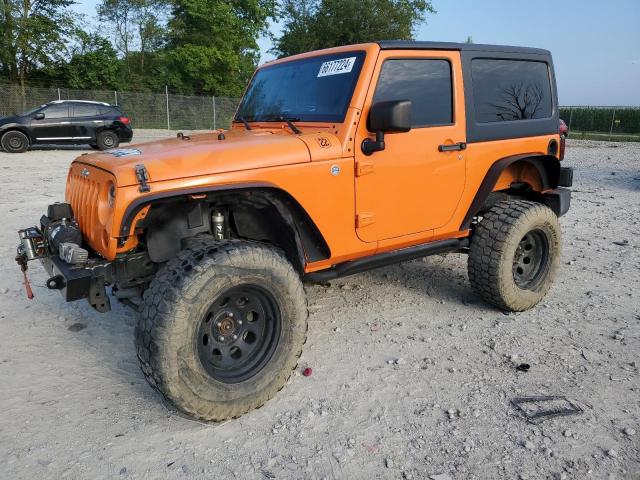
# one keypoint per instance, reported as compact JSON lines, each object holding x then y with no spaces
{"x":32,"y":111}
{"x":315,"y":89}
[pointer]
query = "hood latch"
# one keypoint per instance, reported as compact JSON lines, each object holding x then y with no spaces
{"x":143,"y":177}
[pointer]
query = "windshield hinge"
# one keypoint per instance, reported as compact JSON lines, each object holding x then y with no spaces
{"x":143,"y":177}
{"x":363,"y":168}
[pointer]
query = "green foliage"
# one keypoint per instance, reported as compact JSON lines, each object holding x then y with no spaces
{"x":588,"y":119}
{"x":93,"y":64}
{"x":33,"y":35}
{"x":212,"y":44}
{"x":314,"y":24}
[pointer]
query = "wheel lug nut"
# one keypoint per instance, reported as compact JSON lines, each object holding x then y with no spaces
{"x":219,"y":324}
{"x":239,"y":322}
{"x":231,"y":314}
{"x":221,"y":338}
{"x":235,"y":337}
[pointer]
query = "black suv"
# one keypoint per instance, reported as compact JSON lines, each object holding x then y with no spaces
{"x":74,"y":122}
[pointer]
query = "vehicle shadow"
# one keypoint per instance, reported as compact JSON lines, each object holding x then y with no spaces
{"x":61,"y":147}
{"x":439,"y":277}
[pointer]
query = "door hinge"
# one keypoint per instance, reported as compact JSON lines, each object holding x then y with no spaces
{"x":362,"y":168}
{"x":364,"y":219}
{"x":143,"y":177}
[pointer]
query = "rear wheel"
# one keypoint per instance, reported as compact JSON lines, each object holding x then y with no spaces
{"x":15,"y":142}
{"x":222,"y":327}
{"x":107,"y":140}
{"x":514,"y":254}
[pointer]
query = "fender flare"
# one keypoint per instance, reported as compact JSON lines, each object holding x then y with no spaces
{"x":311,"y":244}
{"x":547,"y":166}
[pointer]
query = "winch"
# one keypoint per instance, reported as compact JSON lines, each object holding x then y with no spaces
{"x":59,"y":233}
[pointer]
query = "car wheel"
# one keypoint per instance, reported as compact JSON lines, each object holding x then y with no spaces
{"x":514,"y":254}
{"x":107,"y":140}
{"x":15,"y":142}
{"x":222,"y":327}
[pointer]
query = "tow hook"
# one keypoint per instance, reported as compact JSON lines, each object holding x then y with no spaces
{"x":23,"y":266}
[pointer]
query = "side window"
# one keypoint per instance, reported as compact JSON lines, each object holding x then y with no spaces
{"x":507,"y":90}
{"x":84,"y":110}
{"x":427,"y":83}
{"x":59,"y":110}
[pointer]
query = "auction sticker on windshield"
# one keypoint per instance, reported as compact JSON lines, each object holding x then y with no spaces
{"x":336,"y":67}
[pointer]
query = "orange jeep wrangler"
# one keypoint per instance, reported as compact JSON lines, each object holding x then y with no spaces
{"x":337,"y":161}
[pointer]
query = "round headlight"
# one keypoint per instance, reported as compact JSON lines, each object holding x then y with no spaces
{"x":111,"y":196}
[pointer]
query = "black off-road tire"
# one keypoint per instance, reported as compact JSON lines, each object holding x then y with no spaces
{"x":177,"y":303}
{"x":107,"y":139}
{"x":14,"y":142}
{"x":504,"y":243}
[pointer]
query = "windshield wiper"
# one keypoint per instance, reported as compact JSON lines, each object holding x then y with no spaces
{"x":288,"y":120}
{"x":244,"y":122}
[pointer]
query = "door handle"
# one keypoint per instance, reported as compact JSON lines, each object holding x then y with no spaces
{"x":453,"y":147}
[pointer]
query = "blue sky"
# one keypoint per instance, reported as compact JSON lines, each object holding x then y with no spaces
{"x":595,"y":44}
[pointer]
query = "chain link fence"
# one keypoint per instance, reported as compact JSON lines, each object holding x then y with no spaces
{"x":602,"y":123}
{"x":146,"y":110}
{"x":166,"y":110}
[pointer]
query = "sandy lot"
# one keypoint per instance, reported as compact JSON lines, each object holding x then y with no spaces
{"x":413,"y":374}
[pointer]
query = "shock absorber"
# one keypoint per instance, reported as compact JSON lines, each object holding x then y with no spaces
{"x":217,"y":221}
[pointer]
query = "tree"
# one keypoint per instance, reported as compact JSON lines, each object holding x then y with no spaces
{"x":33,"y":35}
{"x":314,"y":24}
{"x":94,"y":63}
{"x":137,"y":25}
{"x":212,"y":45}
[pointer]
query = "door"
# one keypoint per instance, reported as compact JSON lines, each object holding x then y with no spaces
{"x":55,"y":126}
{"x":86,"y":119}
{"x":412,"y":186}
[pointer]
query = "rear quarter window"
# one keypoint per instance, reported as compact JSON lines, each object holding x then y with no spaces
{"x":511,"y":90}
{"x":104,"y":110}
{"x":84,"y":110}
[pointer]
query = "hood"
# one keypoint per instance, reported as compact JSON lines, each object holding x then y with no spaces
{"x":10,"y":119}
{"x":202,"y":154}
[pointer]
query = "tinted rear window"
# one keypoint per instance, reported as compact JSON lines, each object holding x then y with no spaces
{"x":85,"y":110}
{"x":507,"y":90}
{"x":105,"y":110}
{"x":427,"y":83}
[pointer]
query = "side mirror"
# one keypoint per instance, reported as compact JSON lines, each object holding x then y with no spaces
{"x":38,"y":116}
{"x":386,"y":117}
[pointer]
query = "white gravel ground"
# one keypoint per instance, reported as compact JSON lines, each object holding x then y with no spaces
{"x":412,"y":374}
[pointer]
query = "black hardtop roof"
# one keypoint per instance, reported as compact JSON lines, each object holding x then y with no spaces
{"x":475,"y":47}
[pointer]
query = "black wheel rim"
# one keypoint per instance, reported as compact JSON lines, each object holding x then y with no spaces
{"x":531,"y":260}
{"x":15,"y":142}
{"x":239,"y":333}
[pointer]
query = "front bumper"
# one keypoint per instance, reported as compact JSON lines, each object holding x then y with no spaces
{"x":76,"y":283}
{"x":89,"y":279}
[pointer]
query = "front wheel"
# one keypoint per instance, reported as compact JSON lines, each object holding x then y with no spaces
{"x":14,"y":142}
{"x":222,"y":327}
{"x":514,"y":254}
